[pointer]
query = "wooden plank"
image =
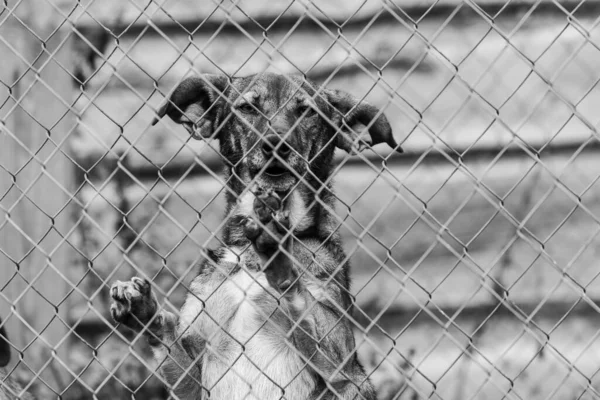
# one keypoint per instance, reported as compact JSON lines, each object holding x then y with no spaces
{"x":421,"y":346}
{"x":430,"y":107}
{"x":510,"y":362}
{"x":252,"y":13}
{"x":436,"y":362}
{"x":492,"y":232}
{"x":375,"y":40}
{"x":36,"y":185}
{"x":175,"y":221}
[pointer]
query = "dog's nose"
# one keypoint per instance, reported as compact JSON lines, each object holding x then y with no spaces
{"x":273,"y":144}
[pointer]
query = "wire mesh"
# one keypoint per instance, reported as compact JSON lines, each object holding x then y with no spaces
{"x":472,"y":255}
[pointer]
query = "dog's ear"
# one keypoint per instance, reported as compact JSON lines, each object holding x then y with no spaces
{"x":197,"y":104}
{"x":349,"y":112}
{"x":4,"y":347}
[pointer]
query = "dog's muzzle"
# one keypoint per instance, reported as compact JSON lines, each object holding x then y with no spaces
{"x":277,"y":152}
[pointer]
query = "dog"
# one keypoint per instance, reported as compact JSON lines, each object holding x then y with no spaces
{"x":266,"y":316}
{"x":10,"y":389}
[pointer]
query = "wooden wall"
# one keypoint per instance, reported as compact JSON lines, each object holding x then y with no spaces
{"x":477,"y":253}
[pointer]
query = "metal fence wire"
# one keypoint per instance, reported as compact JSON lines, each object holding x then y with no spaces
{"x":473,"y":255}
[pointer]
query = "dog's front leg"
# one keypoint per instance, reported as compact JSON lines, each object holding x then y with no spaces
{"x":135,"y":306}
{"x":324,"y":336}
{"x":320,"y":330}
{"x":326,"y":339}
{"x":271,"y":240}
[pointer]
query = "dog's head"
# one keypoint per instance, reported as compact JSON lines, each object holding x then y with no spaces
{"x":275,"y":129}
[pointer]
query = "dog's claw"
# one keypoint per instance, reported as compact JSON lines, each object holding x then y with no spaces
{"x":282,"y":221}
{"x":142,"y":285}
{"x":251,"y":228}
{"x":267,"y":202}
{"x":133,"y":304}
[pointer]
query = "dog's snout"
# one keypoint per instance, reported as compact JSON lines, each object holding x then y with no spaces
{"x":274,"y":144}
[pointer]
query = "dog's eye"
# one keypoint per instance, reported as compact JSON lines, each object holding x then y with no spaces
{"x":246,"y":108}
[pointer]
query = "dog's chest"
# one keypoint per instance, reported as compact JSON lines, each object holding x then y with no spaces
{"x":247,"y":355}
{"x":262,"y":369}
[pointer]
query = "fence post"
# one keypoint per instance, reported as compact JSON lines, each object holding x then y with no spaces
{"x":36,"y":184}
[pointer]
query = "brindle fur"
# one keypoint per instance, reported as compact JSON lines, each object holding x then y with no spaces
{"x":266,"y":316}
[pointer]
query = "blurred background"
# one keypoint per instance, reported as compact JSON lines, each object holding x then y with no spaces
{"x":474,"y":254}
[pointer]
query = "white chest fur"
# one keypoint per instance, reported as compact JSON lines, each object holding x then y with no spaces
{"x":247,"y":355}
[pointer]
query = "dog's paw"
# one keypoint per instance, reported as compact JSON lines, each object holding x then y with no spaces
{"x":266,"y":203}
{"x":250,"y":227}
{"x":193,"y":344}
{"x":134,"y":304}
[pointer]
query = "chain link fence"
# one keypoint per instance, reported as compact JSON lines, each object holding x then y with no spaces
{"x":473,"y":254}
